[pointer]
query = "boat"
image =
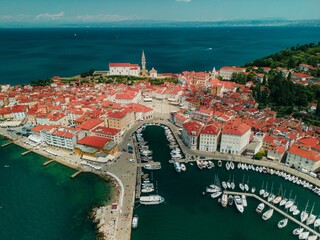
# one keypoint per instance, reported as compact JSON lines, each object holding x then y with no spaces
{"x":296,"y":212}
{"x":224,"y":184}
{"x":183,"y":167}
{"x":241,"y":185}
{"x":311,"y":217}
{"x":210,"y":165}
{"x":253,"y":189}
{"x":297,"y":231}
{"x":147,"y":189}
{"x":212,"y":190}
{"x":282,"y":223}
{"x":219,"y":163}
{"x":304,"y":235}
{"x":266,"y":193}
{"x":199,"y":164}
{"x":224,"y":200}
{"x":238,"y":203}
{"x":230,"y":199}
{"x":232,"y":165}
{"x":228,"y":166}
{"x":304,"y":214}
{"x":244,"y":200}
{"x":246,"y":186}
{"x":135,"y":221}
{"x":260,"y":208}
{"x":316,"y":223}
{"x":176,"y":166}
{"x":313,"y":237}
{"x":216,"y":194}
{"x":151,"y":200}
{"x":232,"y":185}
{"x":271,"y":197}
{"x":152,"y":167}
{"x":268,"y":214}
{"x":289,"y":204}
{"x":293,"y":208}
{"x":277,"y":200}
{"x":261,"y":192}
{"x":283,"y":202}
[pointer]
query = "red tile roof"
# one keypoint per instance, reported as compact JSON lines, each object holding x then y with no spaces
{"x":106,"y":130}
{"x":123,"y":65}
{"x":303,"y":152}
{"x":235,"y":128}
{"x":210,"y":129}
{"x":93,"y":141}
{"x":193,"y":128}
{"x":89,"y":124}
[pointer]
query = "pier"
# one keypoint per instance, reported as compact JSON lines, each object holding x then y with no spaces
{"x":277,"y":209}
{"x":76,"y":174}
{"x":6,"y":144}
{"x":48,"y":162}
{"x":24,"y":153}
{"x":148,"y":163}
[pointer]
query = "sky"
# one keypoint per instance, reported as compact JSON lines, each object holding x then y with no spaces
{"x":86,"y":11}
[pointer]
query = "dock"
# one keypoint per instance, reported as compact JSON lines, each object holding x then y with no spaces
{"x":277,"y":209}
{"x":148,"y":163}
{"x":24,"y":153}
{"x":48,"y":162}
{"x":6,"y":144}
{"x":76,"y":174}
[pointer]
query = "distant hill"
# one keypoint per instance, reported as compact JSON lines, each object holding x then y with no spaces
{"x":291,"y":57}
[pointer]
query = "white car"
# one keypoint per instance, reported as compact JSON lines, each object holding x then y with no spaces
{"x":132,"y":160}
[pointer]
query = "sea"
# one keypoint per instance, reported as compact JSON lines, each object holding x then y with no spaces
{"x":189,"y":214}
{"x":38,"y":202}
{"x":43,"y":202}
{"x":33,"y":54}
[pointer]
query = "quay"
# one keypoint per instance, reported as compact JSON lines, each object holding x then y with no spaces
{"x":275,"y":208}
{"x":48,"y":162}
{"x":6,"y":144}
{"x":76,"y":174}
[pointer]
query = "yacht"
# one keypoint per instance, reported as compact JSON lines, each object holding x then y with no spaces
{"x":212,"y":190}
{"x":244,"y":200}
{"x":224,"y":200}
{"x":282,"y":223}
{"x":151,"y":200}
{"x":260,"y":208}
{"x":216,"y":194}
{"x":304,"y":235}
{"x":177,"y":166}
{"x":183,"y":167}
{"x":304,"y":214}
{"x":311,"y":218}
{"x":297,"y":231}
{"x":268,"y":214}
{"x":135,"y":221}
{"x":147,"y":189}
{"x":238,"y":202}
{"x":152,"y":167}
{"x":277,"y":200}
{"x":313,"y":237}
{"x":316,"y":223}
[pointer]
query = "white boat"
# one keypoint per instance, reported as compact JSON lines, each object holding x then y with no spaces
{"x":296,"y":212}
{"x":239,"y":165}
{"x":176,"y":166}
{"x":253,"y":189}
{"x":228,"y":184}
{"x":219,"y":163}
{"x":316,"y":223}
{"x":232,"y":165}
{"x":224,"y":200}
{"x":216,"y":194}
{"x":277,"y":200}
{"x":135,"y":221}
{"x":260,"y":208}
{"x":241,"y":186}
{"x":183,"y":167}
{"x":311,"y":217}
{"x":268,"y":214}
{"x":283,"y":202}
{"x":271,"y":197}
{"x":297,"y":231}
{"x":304,"y":214}
{"x":210,"y":165}
{"x":313,"y":237}
{"x":212,"y":190}
{"x":199,"y":164}
{"x":224,"y":184}
{"x":151,"y":200}
{"x":152,"y":167}
{"x":228,"y":166}
{"x":282,"y":223}
{"x":238,"y":203}
{"x":232,"y":184}
{"x":304,"y":235}
{"x":289,"y":204}
{"x":293,"y":208}
{"x":244,"y":200}
{"x":147,"y":189}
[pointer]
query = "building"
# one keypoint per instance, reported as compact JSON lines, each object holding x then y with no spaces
{"x":201,"y":79}
{"x":190,"y":134}
{"x":112,"y":133}
{"x":141,"y":112}
{"x":178,"y":119}
{"x":120,"y":119}
{"x":235,"y":137}
{"x":153,"y":73}
{"x":59,"y":137}
{"x":303,"y":157}
{"x":202,"y":115}
{"x":124,"y":69}
{"x":209,"y":138}
{"x":94,"y":146}
{"x":226,"y":72}
{"x":143,"y":64}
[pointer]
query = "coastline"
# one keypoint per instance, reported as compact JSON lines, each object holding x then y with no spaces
{"x":98,"y":216}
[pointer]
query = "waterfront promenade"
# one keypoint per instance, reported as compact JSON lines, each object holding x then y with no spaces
{"x":275,"y":208}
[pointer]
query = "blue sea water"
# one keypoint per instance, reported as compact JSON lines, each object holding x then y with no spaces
{"x":32,"y":54}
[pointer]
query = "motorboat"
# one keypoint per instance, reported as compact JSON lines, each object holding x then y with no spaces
{"x":219,"y":163}
{"x":253,"y":189}
{"x":304,"y":235}
{"x":260,"y":208}
{"x":151,"y":200}
{"x":238,"y":203}
{"x":210,"y":165}
{"x":152,"y":167}
{"x":282,"y":223}
{"x":232,"y":165}
{"x":183,"y":167}
{"x":177,"y":166}
{"x":268,"y":214}
{"x":147,"y":189}
{"x":212,"y":190}
{"x":224,"y":200}
{"x":297,"y":231}
{"x":135,"y":221}
{"x":215,"y":194}
{"x":311,"y":217}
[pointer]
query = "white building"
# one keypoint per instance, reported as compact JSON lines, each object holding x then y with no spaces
{"x":235,"y":137}
{"x":124,"y":69}
{"x":226,"y":72}
{"x":209,"y":138}
{"x":59,"y":138}
{"x":153,"y":73}
{"x":302,"y":157}
{"x":190,"y":134}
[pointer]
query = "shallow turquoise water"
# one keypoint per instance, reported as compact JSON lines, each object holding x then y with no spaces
{"x":188,"y":215}
{"x":38,"y":202}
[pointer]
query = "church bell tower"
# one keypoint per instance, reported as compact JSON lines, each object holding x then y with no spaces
{"x":143,"y":65}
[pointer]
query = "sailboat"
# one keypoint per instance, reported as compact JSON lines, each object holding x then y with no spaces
{"x":232,"y":184}
{"x":241,"y":186}
{"x":283,"y":223}
{"x":261,"y":192}
{"x":246,"y":185}
{"x":266,"y":193}
{"x":228,"y":166}
{"x":284,"y":200}
{"x":304,"y":214}
{"x":304,"y":235}
{"x":232,"y":165}
{"x":268,"y":214}
{"x":297,"y":231}
{"x":316,"y":223}
{"x":289,"y":203}
{"x":311,"y":217}
{"x":224,"y":200}
{"x":229,"y":182}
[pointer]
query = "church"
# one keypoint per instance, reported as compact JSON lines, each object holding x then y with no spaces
{"x":129,"y":69}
